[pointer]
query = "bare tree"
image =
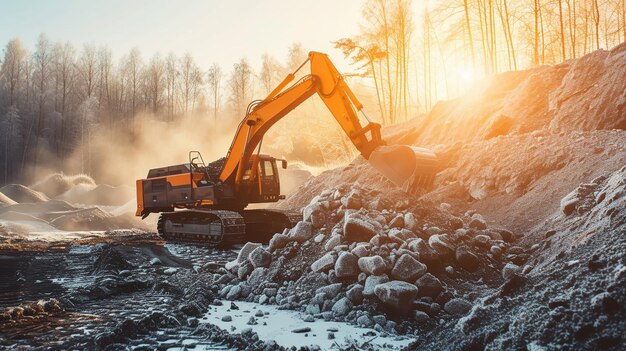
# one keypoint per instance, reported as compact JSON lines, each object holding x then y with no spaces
{"x":64,"y":73}
{"x":536,"y":6}
{"x":468,"y":29}
{"x":87,"y":68}
{"x":370,"y":55}
{"x":240,"y":84}
{"x":297,"y":55}
{"x":12,"y":68}
{"x":42,"y":62}
{"x":11,"y":130}
{"x":270,"y":74}
{"x":105,"y":65}
{"x":134,"y":67}
{"x":155,"y":74}
{"x":171,"y":78}
{"x":214,"y":81}
{"x":562,"y":30}
{"x":191,"y":80}
{"x":596,"y":20}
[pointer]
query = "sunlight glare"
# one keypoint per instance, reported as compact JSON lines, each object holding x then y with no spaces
{"x":466,"y":75}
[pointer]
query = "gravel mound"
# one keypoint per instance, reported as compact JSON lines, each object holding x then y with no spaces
{"x":58,"y":183}
{"x":22,"y":194}
{"x":48,"y":209}
{"x":5,"y":200}
{"x":351,"y":259}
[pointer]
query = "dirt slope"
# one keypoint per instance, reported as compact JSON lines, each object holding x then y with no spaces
{"x":541,"y":153}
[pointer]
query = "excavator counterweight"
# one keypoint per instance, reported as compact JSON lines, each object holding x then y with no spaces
{"x":206,"y":203}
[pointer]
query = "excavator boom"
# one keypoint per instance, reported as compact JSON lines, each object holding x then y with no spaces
{"x":406,"y":166}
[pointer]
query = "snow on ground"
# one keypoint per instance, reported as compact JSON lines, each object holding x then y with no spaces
{"x":278,"y":325}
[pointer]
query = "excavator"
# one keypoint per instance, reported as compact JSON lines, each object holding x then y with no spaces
{"x":206,"y":203}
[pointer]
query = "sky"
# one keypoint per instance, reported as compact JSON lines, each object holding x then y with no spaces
{"x":220,"y":31}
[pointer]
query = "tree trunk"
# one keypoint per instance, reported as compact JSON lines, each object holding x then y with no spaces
{"x":469,"y":33}
{"x":596,"y":21}
{"x":562,"y":33}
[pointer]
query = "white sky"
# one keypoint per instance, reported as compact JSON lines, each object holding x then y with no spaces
{"x":219,"y":31}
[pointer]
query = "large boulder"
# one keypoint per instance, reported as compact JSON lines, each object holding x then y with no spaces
{"x":466,"y":259}
{"x":257,"y":276}
{"x":334,"y":241}
{"x":402,"y":234}
{"x":396,"y":294}
{"x":458,"y":307}
{"x":408,"y":268}
{"x":245,"y":251}
{"x":324,"y":263}
{"x":478,"y":222}
{"x":362,"y":250}
{"x":347,"y":265}
{"x":372,"y":282}
{"x":302,"y":232}
{"x":355,"y":294}
{"x":278,"y":241}
{"x":259,"y":257}
{"x":509,"y":270}
{"x":428,"y":285}
{"x":352,"y":200}
{"x":244,"y":270}
{"x":342,"y":307}
{"x":315,"y":214}
{"x":410,"y":221}
{"x":440,"y":244}
{"x":359,"y":228}
{"x":330,"y":291}
{"x":569,"y":203}
{"x":423,"y":251}
{"x":374,"y":265}
{"x":397,"y":221}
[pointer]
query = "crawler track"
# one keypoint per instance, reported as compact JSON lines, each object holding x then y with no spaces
{"x":224,"y":228}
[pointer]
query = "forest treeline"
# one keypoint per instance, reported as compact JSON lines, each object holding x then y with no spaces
{"x":55,"y":96}
{"x":417,"y":55}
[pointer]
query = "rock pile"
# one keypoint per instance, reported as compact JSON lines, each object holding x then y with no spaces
{"x":358,"y":253}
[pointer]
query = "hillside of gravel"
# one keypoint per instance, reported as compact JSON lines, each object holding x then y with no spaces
{"x":520,"y":243}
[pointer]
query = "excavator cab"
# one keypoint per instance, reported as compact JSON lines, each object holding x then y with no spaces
{"x":260,"y":182}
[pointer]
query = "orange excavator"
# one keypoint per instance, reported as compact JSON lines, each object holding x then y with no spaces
{"x":206,"y":203}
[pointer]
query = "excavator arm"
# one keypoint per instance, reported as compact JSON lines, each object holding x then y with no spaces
{"x":329,"y":85}
{"x":409,"y":167}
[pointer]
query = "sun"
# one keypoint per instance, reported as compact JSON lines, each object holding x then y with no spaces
{"x":466,"y":75}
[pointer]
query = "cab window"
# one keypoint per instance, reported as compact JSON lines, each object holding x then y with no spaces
{"x":268,"y":169}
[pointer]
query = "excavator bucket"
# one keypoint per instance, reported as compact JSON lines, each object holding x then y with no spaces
{"x":411,"y":168}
